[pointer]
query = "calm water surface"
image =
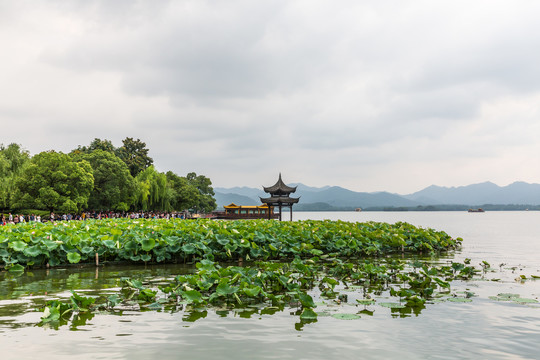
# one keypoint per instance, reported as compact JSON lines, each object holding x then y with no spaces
{"x":482,"y":329}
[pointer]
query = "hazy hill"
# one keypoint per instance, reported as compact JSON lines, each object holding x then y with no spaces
{"x":338,"y":198}
{"x":478,"y":194}
{"x":227,"y":198}
{"x":327,"y":197}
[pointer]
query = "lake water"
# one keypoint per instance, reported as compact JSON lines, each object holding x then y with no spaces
{"x":481,"y":329}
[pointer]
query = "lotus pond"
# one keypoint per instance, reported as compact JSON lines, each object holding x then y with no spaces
{"x":306,"y":289}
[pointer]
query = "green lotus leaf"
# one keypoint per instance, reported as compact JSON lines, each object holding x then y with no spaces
{"x":306,"y":300}
{"x":116,"y":232}
{"x":17,"y":245}
{"x":316,"y":252}
{"x":192,"y":296}
{"x":32,"y":251}
{"x":253,"y":291}
{"x":74,"y":257}
{"x":225,"y":289}
{"x":148,"y":244}
{"x":146,"y":257}
{"x":524,"y":300}
{"x":458,"y":299}
{"x":365,"y":301}
{"x":110,"y":244}
{"x":88,"y":250}
{"x":508,"y":295}
{"x":130,"y":245}
{"x":51,"y":245}
{"x":188,"y":248}
{"x":392,"y":305}
{"x":154,"y":306}
{"x":342,"y":316}
{"x":16,"y":268}
{"x":222,"y":240}
{"x":50,"y":314}
{"x":308,"y":314}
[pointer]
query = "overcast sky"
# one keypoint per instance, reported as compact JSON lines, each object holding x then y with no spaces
{"x":368,"y":95}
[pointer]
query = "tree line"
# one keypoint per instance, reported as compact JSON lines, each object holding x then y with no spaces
{"x":97,"y":177}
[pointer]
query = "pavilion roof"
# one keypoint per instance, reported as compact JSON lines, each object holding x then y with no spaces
{"x":279,"y":188}
{"x":276,"y":200}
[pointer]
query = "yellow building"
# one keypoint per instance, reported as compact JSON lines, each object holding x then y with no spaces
{"x":233,"y":211}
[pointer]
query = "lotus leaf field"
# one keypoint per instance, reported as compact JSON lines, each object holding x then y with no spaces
{"x":159,"y":241}
{"x":283,"y":264}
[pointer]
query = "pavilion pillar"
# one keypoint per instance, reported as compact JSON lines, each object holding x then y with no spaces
{"x":291,"y":211}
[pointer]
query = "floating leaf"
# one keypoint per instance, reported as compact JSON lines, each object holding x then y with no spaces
{"x":344,"y":316}
{"x":392,"y":305}
{"x":458,"y":299}
{"x":365,"y":301}
{"x":524,"y":300}
{"x":507,"y":296}
{"x":366,"y":312}
{"x":323,"y":313}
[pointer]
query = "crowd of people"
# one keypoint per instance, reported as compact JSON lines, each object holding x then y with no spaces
{"x":98,"y":215}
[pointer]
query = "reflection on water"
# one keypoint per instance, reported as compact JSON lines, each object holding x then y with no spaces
{"x":483,"y":328}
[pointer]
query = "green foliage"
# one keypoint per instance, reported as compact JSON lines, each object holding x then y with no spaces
{"x":205,"y":201}
{"x":135,"y":155}
{"x":153,"y":192}
{"x":183,"y":194}
{"x":96,"y":144}
{"x":13,"y":160}
{"x":159,"y":241}
{"x":97,"y":177}
{"x":270,"y":286}
{"x":54,"y":181}
{"x":113,"y":184}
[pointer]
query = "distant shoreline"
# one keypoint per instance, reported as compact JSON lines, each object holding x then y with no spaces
{"x":486,"y":207}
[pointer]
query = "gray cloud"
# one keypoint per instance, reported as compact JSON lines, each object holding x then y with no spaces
{"x":364,"y":94}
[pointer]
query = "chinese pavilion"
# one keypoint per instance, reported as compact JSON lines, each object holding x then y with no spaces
{"x":279,"y":196}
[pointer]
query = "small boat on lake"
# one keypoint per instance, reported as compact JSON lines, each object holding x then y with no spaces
{"x":479,"y":210}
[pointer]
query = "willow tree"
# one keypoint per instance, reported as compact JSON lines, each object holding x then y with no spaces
{"x":152,"y":191}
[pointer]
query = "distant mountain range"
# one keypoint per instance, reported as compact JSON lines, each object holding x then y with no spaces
{"x":337,"y":198}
